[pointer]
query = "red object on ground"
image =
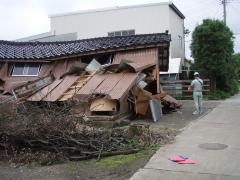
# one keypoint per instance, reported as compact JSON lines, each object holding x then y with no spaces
{"x":176,"y":159}
{"x":187,"y":161}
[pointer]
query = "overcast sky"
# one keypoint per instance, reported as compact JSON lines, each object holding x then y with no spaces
{"x":21,"y":18}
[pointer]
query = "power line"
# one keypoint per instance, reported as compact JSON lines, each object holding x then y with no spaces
{"x":224,"y":3}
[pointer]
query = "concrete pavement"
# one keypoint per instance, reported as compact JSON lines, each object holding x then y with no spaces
{"x":222,"y":125}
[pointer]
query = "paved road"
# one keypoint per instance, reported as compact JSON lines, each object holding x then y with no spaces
{"x":222,"y":125}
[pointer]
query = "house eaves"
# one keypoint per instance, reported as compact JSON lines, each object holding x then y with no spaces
{"x":39,"y":51}
{"x":176,"y":10}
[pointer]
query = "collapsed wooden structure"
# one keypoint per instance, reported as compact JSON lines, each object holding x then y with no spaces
{"x":108,"y":76}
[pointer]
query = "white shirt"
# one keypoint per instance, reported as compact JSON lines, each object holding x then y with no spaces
{"x":197,"y":85}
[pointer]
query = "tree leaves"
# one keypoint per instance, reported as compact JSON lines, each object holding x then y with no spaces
{"x":212,"y":50}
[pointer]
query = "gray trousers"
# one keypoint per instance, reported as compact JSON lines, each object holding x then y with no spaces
{"x":197,"y":97}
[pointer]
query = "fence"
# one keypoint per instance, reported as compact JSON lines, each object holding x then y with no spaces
{"x":179,"y":89}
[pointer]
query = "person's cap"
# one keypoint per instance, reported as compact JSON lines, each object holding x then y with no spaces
{"x":196,"y":74}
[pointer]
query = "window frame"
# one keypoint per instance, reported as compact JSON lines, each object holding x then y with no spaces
{"x":129,"y":32}
{"x":25,"y":69}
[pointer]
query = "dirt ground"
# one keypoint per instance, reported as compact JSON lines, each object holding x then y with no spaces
{"x":116,"y":167}
{"x":180,"y":119}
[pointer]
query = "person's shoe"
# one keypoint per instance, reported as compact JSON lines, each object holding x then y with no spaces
{"x":200,"y":112}
{"x":195,"y":113}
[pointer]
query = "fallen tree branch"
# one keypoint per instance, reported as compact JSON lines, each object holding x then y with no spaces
{"x":104,"y":154}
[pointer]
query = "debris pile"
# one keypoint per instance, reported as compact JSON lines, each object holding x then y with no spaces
{"x":103,"y":92}
{"x":55,"y":134}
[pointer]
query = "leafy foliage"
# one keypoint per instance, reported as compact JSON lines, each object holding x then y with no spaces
{"x":212,"y":50}
{"x":236,"y":58}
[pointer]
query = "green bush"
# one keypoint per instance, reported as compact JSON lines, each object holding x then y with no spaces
{"x":219,"y":94}
{"x":212,"y":50}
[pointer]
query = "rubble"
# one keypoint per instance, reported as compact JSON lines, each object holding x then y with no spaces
{"x":73,"y":83}
{"x":68,"y":137}
{"x":111,"y":90}
{"x":107,"y":82}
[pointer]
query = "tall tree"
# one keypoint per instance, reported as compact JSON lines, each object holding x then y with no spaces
{"x":236,"y":58}
{"x":212,"y":50}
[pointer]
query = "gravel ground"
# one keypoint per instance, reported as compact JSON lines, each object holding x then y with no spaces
{"x":180,"y":119}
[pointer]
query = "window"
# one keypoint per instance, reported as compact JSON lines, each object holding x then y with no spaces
{"x":118,"y":33}
{"x":111,"y":34}
{"x":131,"y":32}
{"x":25,"y":70}
{"x":124,"y":33}
{"x":121,"y":33}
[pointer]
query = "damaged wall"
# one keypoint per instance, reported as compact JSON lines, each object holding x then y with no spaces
{"x":57,"y":68}
{"x":126,"y":85}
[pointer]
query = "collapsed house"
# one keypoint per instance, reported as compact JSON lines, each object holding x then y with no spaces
{"x":108,"y":77}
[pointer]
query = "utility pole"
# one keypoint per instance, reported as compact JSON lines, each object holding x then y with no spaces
{"x":224,"y":11}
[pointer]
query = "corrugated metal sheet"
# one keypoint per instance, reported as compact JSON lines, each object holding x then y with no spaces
{"x":125,"y":84}
{"x":114,"y":86}
{"x":45,"y":91}
{"x":57,"y":92}
{"x":74,"y":88}
{"x":91,"y":85}
{"x":110,"y":81}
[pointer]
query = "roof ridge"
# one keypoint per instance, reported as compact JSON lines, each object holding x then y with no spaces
{"x":42,"y":50}
{"x":75,"y":41}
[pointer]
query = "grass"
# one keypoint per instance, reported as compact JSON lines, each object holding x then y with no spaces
{"x":72,"y":167}
{"x":120,"y":160}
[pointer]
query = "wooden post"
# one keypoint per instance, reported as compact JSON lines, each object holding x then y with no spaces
{"x":158,"y":79}
{"x":157,"y":71}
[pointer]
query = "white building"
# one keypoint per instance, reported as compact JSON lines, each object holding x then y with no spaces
{"x":119,"y":21}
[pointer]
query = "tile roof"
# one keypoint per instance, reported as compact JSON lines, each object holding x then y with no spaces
{"x":11,"y":50}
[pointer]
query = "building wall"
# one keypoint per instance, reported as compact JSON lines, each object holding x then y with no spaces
{"x":56,"y":68}
{"x":177,"y":35}
{"x":144,"y":19}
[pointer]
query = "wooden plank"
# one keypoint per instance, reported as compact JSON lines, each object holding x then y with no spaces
{"x":103,"y":104}
{"x":207,"y":90}
{"x":123,"y":86}
{"x":204,"y":85}
{"x":67,"y":82}
{"x":182,"y":81}
{"x":75,"y":88}
{"x":45,"y":91}
{"x":66,"y":97}
{"x":30,"y":88}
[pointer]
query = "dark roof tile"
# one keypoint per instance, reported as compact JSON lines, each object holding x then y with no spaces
{"x":46,"y":50}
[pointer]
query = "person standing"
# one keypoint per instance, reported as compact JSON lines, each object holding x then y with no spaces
{"x":197,"y":87}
